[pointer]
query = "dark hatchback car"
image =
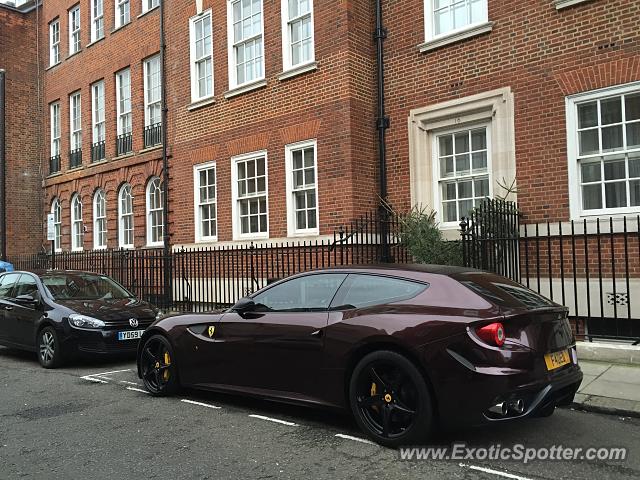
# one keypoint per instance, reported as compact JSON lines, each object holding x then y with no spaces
{"x":402,"y":347}
{"x":61,"y":313}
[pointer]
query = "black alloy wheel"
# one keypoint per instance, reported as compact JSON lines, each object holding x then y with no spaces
{"x":390,"y":399}
{"x":157,"y":366}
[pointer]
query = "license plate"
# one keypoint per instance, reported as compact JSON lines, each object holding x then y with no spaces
{"x":130,"y":335}
{"x":557,"y":359}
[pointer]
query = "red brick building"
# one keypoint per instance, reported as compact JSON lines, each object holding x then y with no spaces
{"x":272,"y":106}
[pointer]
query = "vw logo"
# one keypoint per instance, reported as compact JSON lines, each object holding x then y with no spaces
{"x":133,"y":322}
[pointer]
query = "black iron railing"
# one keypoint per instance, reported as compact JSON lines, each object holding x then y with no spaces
{"x":54,"y":164}
{"x":153,"y":135}
{"x":124,"y":144}
{"x":75,"y":158}
{"x":97,"y":151}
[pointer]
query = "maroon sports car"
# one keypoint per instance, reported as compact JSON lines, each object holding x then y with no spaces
{"x":403,"y":347}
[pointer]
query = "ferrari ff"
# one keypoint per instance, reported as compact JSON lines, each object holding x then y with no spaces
{"x":61,"y":313}
{"x":403,"y":347}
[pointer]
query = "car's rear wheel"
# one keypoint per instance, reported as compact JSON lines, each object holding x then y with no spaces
{"x":157,"y":366}
{"x":49,"y":349}
{"x":390,"y":400}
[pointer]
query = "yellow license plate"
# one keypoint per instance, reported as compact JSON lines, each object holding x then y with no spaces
{"x":557,"y":359}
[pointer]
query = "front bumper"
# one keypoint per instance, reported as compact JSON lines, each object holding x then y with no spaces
{"x":102,"y":341}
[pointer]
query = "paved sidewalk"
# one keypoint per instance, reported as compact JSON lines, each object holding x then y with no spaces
{"x":609,"y":388}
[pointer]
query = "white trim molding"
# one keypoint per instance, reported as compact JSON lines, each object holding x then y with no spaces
{"x":292,"y":229}
{"x":560,"y":4}
{"x":197,"y":203}
{"x":455,"y":36}
{"x":495,"y":107}
{"x":237,"y":235}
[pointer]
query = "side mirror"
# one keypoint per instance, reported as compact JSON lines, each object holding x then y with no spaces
{"x":244,"y":305}
{"x":29,"y":300}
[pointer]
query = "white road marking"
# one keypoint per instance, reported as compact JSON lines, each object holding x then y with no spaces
{"x":198,"y":403}
{"x":129,"y":383}
{"x":107,"y":373}
{"x":355,"y":439}
{"x":269,"y":419}
{"x":91,"y":379}
{"x":494,"y":472}
{"x":137,"y":390}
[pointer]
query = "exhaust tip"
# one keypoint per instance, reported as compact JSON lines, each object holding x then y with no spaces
{"x":517,"y":406}
{"x":499,"y":408}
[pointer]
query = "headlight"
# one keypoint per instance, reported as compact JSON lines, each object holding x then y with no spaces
{"x":159,"y":315}
{"x":82,"y":321}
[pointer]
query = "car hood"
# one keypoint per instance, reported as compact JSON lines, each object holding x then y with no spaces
{"x":111,"y":310}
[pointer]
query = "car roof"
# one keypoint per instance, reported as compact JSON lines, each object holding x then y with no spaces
{"x":48,"y":273}
{"x":400,"y":269}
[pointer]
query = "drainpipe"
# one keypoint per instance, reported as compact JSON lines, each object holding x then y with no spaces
{"x":168,"y":261}
{"x":382,"y":124}
{"x":3,"y":196}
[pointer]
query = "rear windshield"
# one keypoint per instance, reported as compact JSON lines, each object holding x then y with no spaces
{"x":83,"y":286}
{"x":504,"y":292}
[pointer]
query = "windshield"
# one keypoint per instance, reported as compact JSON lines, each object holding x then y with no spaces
{"x":83,"y":286}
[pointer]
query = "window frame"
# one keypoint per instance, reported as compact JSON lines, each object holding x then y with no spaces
{"x":146,"y":65}
{"x":97,"y":20}
{"x":148,"y":5}
{"x":292,"y":229}
{"x":120,"y":114}
{"x":339,"y":299}
{"x":429,"y":22}
{"x":235,"y":212}
{"x":231,"y":48}
{"x":56,"y":210}
{"x":54,"y":58}
{"x":98,"y":123}
{"x":195,"y":97}
{"x":75,"y":136}
{"x":149,"y":212}
{"x":55,"y":128}
{"x":198,"y":204}
{"x":100,"y":230}
{"x":75,"y":46}
{"x":287,"y":60}
{"x":77,"y":246}
{"x":574,"y":174}
{"x":121,"y":216}
{"x":435,"y":164}
{"x":119,"y":4}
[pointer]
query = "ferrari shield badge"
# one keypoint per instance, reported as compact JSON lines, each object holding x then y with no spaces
{"x":212,"y":330}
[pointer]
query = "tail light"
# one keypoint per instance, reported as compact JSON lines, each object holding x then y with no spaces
{"x":493,"y":334}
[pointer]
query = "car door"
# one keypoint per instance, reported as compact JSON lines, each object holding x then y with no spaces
{"x":24,"y":313}
{"x":7,"y":281}
{"x":279,"y":344}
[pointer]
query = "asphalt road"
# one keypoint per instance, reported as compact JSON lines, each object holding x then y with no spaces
{"x":55,"y":424}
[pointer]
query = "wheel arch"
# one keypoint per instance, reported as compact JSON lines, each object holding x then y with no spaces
{"x":151,"y":331}
{"x":359,"y":352}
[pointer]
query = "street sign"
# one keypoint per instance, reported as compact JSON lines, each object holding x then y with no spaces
{"x":51,"y":227}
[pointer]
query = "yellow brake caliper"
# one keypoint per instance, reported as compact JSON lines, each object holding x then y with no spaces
{"x":374,"y":390}
{"x":167,"y":362}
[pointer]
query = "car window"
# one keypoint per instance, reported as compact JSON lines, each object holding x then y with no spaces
{"x":83,"y":286}
{"x":504,"y":292}
{"x":6,"y":283}
{"x":26,"y":286}
{"x":308,"y":293}
{"x":360,"y":291}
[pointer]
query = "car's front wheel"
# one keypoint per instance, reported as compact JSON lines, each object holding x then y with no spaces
{"x":157,"y":366}
{"x":49,"y":349}
{"x":390,"y":399}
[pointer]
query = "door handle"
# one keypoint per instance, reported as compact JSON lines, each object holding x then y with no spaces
{"x":7,"y":307}
{"x":317,"y":333}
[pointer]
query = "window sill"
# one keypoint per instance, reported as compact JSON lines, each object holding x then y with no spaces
{"x":201,"y":103}
{"x":51,"y":67}
{"x":75,"y":169}
{"x":207,"y":240}
{"x":73,"y":54}
{"x":98,"y":162}
{"x":154,"y":245}
{"x":150,"y":149}
{"x":245,"y":238}
{"x":55,"y":174}
{"x":234,"y":92}
{"x":148,"y":11}
{"x":298,"y":70}
{"x":304,"y":233}
{"x":120,"y":27}
{"x":560,"y":4}
{"x":454,"y":37}
{"x":97,"y":40}
{"x":124,"y":155}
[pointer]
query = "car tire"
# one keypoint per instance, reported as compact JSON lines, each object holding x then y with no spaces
{"x":49,"y":348}
{"x":390,"y":399}
{"x":157,"y":366}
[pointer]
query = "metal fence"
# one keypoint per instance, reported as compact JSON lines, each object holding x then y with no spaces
{"x":204,"y":279}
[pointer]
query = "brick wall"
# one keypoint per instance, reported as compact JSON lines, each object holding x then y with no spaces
{"x":18,"y":56}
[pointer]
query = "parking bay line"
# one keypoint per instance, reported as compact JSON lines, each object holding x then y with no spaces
{"x":91,"y":379}
{"x":192,"y":402}
{"x":108,"y":373}
{"x":275,"y":420}
{"x":355,"y":439}
{"x":494,"y":472}
{"x":137,"y":390}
